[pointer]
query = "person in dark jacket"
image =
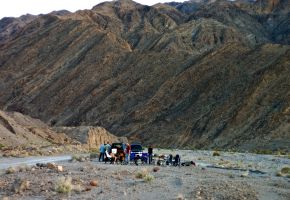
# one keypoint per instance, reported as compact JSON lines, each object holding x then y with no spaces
{"x":150,"y":153}
{"x":102,"y":152}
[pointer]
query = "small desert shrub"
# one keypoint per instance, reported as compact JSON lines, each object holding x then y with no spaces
{"x":24,"y":185}
{"x":264,"y":151}
{"x":64,"y":185}
{"x":141,"y":174}
{"x":77,"y":188}
{"x":74,"y":157}
{"x":78,"y":158}
{"x":281,"y":152}
{"x":11,"y":170}
{"x":2,"y":146}
{"x":216,"y":153}
{"x":285,"y":170}
{"x":148,"y":178}
{"x":23,"y":168}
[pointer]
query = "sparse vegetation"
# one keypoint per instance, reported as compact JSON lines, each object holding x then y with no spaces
{"x":216,"y":153}
{"x":141,"y":174}
{"x":78,"y":158}
{"x":11,"y":170}
{"x":24,"y":185}
{"x":148,"y":178}
{"x":144,"y":174}
{"x":1,"y":146}
{"x":285,"y":170}
{"x":64,"y":185}
{"x":264,"y":151}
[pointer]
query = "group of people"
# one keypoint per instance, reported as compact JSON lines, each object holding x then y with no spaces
{"x":122,"y":153}
{"x":107,"y":153}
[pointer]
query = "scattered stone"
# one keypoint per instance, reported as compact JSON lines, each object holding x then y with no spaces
{"x":94,"y":183}
{"x":180,"y":197}
{"x":156,"y":169}
{"x":51,"y":166}
{"x":59,"y":168}
{"x":41,"y":165}
{"x":279,"y":174}
{"x":246,"y":174}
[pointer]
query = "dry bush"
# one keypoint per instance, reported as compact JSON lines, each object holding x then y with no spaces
{"x":141,"y":174}
{"x":148,"y":178}
{"x":11,"y":170}
{"x":20,"y":186}
{"x":285,"y":170}
{"x":64,"y":185}
{"x":216,"y":153}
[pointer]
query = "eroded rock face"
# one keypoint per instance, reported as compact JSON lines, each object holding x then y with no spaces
{"x":91,"y":136}
{"x":17,"y":129}
{"x":216,"y":75}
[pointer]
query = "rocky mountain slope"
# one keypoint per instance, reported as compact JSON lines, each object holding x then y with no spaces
{"x":18,"y":130}
{"x":213,"y":75}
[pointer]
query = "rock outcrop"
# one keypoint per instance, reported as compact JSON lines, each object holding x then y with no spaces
{"x":91,"y":136}
{"x":17,"y":130}
{"x":212,"y":75}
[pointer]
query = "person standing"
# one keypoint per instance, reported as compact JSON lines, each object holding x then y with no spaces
{"x":102,"y":152}
{"x":108,"y":147}
{"x":127,"y":152}
{"x":150,"y":153}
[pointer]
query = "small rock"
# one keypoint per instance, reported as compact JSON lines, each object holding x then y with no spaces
{"x":156,"y":169}
{"x":59,"y":168}
{"x":41,"y":165}
{"x":94,"y":183}
{"x":246,"y":174}
{"x":51,"y":166}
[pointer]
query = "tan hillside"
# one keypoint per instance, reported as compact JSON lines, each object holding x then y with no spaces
{"x":17,"y":130}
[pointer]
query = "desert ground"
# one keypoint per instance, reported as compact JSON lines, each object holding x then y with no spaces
{"x":229,"y":175}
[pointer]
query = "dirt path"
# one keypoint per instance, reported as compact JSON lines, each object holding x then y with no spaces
{"x":14,"y":162}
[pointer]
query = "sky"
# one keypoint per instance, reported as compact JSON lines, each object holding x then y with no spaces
{"x":16,"y":8}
